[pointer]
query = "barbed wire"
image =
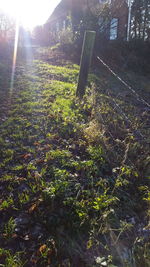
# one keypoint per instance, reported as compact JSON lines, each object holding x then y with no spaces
{"x":105,"y":124}
{"x":116,"y":107}
{"x":137,"y":133}
{"x":139,"y":98}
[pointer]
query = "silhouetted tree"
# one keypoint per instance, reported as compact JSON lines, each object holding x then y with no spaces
{"x":42,"y":35}
{"x":7,"y":28}
{"x":140,"y":22}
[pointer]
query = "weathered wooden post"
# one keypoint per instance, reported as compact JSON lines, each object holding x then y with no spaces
{"x":86,"y":56}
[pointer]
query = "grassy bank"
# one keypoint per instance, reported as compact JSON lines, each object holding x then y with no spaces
{"x":71,"y":194}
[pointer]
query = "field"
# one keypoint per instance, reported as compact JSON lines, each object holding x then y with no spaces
{"x":74,"y":174}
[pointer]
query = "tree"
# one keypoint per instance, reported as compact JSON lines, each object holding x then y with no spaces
{"x":42,"y":35}
{"x":93,"y":18}
{"x":104,"y":18}
{"x":140,"y":19}
{"x":7,"y":28}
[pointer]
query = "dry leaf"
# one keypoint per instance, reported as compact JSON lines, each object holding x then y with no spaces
{"x":42,"y":248}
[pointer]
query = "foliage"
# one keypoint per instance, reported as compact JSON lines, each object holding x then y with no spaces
{"x":96,"y":18}
{"x":7,"y":28}
{"x":43,"y":36}
{"x":66,"y":36}
{"x":140,"y":20}
{"x":11,"y":260}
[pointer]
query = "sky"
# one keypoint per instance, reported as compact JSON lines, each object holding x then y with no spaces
{"x":30,"y":13}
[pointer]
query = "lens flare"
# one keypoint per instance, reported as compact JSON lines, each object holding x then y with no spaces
{"x":14,"y":57}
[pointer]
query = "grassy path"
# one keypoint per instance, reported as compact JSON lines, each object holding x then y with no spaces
{"x":42,"y":155}
{"x":61,"y":204}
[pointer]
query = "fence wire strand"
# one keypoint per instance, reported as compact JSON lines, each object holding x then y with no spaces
{"x":139,"y":98}
{"x":116,"y":107}
{"x":137,"y":132}
{"x":114,"y":140}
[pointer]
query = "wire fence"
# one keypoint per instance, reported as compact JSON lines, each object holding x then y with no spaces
{"x":139,"y":98}
{"x":116,"y":107}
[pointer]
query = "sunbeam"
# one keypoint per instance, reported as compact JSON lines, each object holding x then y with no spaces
{"x":14,"y":58}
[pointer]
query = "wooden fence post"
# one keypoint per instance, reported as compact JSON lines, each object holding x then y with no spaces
{"x":86,"y":56}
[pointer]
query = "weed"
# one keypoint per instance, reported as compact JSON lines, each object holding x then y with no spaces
{"x":6,"y":203}
{"x":9,"y":228}
{"x":10,"y":259}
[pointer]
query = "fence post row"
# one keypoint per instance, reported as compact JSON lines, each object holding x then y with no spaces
{"x":86,"y":56}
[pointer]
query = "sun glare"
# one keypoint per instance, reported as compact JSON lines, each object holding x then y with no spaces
{"x":29,"y":12}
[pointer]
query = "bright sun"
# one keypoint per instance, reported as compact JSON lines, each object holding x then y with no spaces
{"x":29,"y":12}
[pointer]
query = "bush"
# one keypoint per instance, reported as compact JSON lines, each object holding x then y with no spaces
{"x":66,"y":36}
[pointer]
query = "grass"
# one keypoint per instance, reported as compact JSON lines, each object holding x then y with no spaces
{"x":70,"y":194}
